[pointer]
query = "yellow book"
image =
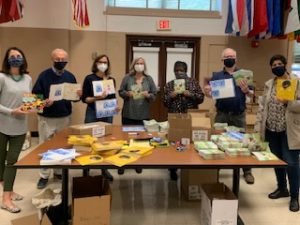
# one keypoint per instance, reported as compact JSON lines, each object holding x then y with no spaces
{"x":89,"y":159}
{"x":122,"y":159}
{"x":286,"y":89}
{"x":139,"y":143}
{"x":107,"y":145}
{"x":85,"y":140}
{"x":141,"y":151}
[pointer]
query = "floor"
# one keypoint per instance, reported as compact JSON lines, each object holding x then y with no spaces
{"x":151,"y":198}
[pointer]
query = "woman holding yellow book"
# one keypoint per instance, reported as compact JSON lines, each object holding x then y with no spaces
{"x":278,"y":122}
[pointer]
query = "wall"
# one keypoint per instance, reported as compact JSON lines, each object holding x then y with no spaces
{"x":48,"y":25}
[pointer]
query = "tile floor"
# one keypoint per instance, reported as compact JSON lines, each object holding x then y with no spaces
{"x":151,"y":199}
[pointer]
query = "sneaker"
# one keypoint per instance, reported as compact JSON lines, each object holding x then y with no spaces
{"x":42,"y":183}
{"x":294,"y":205}
{"x":138,"y":170}
{"x":107,"y":175}
{"x":279,"y":194}
{"x":249,"y":178}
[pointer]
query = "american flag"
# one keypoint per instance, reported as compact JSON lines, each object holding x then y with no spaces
{"x":81,"y":16}
{"x":10,"y":10}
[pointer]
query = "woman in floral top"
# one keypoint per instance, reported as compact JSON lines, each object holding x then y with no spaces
{"x":278,"y":122}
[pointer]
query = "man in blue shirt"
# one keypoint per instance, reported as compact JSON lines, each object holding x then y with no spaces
{"x":232,"y":110}
{"x":56,"y":114}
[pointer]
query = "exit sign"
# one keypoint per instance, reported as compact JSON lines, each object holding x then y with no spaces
{"x":163,"y":25}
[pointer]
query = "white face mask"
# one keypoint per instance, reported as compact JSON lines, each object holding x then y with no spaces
{"x":139,"y":68}
{"x":102,"y":67}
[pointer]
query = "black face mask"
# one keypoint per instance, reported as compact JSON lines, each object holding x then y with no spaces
{"x":229,"y":62}
{"x":59,"y":65}
{"x":279,"y":71}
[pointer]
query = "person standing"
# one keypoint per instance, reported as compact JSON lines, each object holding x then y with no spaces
{"x":138,"y":90}
{"x":278,"y":123}
{"x":56,"y":114}
{"x":175,"y":101}
{"x":100,"y":72}
{"x":232,"y":110}
{"x":14,"y":83}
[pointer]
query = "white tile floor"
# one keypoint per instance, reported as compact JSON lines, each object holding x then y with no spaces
{"x":151,"y":199}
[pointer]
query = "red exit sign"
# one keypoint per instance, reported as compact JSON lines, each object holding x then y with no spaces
{"x":163,"y":25}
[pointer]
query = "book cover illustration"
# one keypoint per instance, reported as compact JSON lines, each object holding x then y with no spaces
{"x":286,"y":89}
{"x":179,"y":86}
{"x":67,"y":91}
{"x":32,"y":103}
{"x":137,"y":91}
{"x":106,"y":108}
{"x":222,"y":89}
{"x":101,"y":86}
{"x":243,"y":75}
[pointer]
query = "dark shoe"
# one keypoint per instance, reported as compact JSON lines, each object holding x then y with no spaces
{"x":107,"y":175}
{"x":57,"y":176}
{"x":279,"y":194}
{"x":294,"y":205}
{"x":249,"y":178}
{"x":42,"y":183}
{"x":173,"y":175}
{"x":121,"y":171}
{"x":138,"y":170}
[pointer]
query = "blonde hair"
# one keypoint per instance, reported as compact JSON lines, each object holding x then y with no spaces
{"x":131,"y":68}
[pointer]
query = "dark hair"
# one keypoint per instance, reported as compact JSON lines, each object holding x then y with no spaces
{"x":180,"y":64}
{"x":6,"y":66}
{"x":94,"y":66}
{"x":278,"y":57}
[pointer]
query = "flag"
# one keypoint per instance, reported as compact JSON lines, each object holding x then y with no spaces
{"x":260,"y":20}
{"x":10,"y":10}
{"x":293,"y":22}
{"x":80,"y":13}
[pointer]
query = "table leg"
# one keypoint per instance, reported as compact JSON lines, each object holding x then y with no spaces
{"x":236,"y":189}
{"x":65,"y":194}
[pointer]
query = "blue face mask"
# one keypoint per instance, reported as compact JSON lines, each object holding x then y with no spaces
{"x":279,"y":71}
{"x":15,"y":61}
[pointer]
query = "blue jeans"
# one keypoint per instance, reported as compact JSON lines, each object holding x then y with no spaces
{"x":90,"y":117}
{"x":279,"y":147}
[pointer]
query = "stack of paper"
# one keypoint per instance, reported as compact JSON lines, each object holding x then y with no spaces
{"x":264,"y":156}
{"x":58,"y":156}
{"x":234,"y":152}
{"x":211,"y":154}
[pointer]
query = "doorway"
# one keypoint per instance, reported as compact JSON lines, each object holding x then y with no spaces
{"x":160,"y":54}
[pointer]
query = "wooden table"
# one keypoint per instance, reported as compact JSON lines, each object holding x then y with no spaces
{"x":166,"y":157}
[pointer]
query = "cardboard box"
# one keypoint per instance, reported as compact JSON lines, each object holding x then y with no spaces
{"x":91,"y":198}
{"x":31,"y":220}
{"x":218,"y":205}
{"x":201,"y":128}
{"x":250,"y":122}
{"x":97,"y":129}
{"x":179,"y":126}
{"x":192,"y":179}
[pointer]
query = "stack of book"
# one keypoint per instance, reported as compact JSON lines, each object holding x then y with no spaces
{"x":211,"y":154}
{"x":237,"y":152}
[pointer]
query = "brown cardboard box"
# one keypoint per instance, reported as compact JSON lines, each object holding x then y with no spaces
{"x":91,"y":201}
{"x":179,"y":126}
{"x":250,"y":122}
{"x":31,"y":220}
{"x":201,"y":128}
{"x":218,"y":205}
{"x":97,"y":129}
{"x":192,"y":179}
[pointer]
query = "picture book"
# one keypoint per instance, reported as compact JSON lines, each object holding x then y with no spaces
{"x":101,"y":86}
{"x":222,"y":89}
{"x":179,"y":86}
{"x":67,"y":91}
{"x":243,"y":75}
{"x":286,"y":89}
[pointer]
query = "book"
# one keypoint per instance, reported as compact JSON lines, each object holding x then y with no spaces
{"x":243,"y":75}
{"x":67,"y":91}
{"x":234,"y":152}
{"x":286,"y":89}
{"x":179,"y":86}
{"x":137,"y":91}
{"x":211,"y":154}
{"x":222,"y":88}
{"x":205,"y":145}
{"x":104,"y":86}
{"x":58,"y":156}
{"x":264,"y":156}
{"x":106,"y":108}
{"x":32,"y":103}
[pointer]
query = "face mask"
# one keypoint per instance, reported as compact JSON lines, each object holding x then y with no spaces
{"x":279,"y":71}
{"x":229,"y":62}
{"x":60,"y":65}
{"x":102,"y":67}
{"x":139,"y":68}
{"x":15,"y":62}
{"x":180,"y":75}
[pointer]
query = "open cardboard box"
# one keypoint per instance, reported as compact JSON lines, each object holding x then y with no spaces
{"x":32,"y":220}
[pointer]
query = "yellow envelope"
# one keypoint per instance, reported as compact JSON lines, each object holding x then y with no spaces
{"x":85,"y":140}
{"x":122,"y":159}
{"x":141,"y":151}
{"x":108,"y":145}
{"x":89,"y":159}
{"x":286,"y":89}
